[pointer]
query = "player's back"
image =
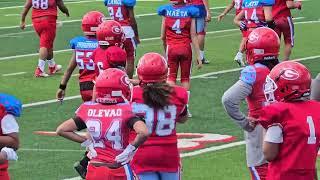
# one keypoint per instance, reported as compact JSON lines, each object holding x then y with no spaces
{"x":84,"y":48}
{"x":254,"y":12}
{"x":297,"y":156}
{"x":100,"y":59}
{"x":255,"y":75}
{"x":159,"y":152}
{"x":178,"y":21}
{"x":118,"y":10}
{"x":280,"y":9}
{"x":108,"y":126}
{"x":42,"y":8}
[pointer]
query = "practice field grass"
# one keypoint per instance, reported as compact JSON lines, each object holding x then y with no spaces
{"x":53,"y":157}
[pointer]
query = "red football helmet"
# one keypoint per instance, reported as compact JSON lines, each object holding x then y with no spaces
{"x":152,"y":67}
{"x":117,"y":57}
{"x":91,"y":21}
{"x":112,"y":87}
{"x":180,"y":1}
{"x":287,"y":81}
{"x":263,"y":44}
{"x":110,"y":33}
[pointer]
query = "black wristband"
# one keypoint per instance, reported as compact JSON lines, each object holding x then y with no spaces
{"x":62,"y":87}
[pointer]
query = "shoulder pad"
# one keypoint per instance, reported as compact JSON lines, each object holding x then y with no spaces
{"x":193,"y":11}
{"x":248,"y":75}
{"x":266,"y":2}
{"x":162,"y":10}
{"x":12,"y":104}
{"x":129,"y":3}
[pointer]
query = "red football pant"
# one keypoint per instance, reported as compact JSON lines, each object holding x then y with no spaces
{"x":105,"y":173}
{"x":259,"y":172}
{"x":179,"y":56}
{"x":4,"y":175}
{"x":284,"y":25}
{"x":130,"y":48}
{"x":46,"y":30}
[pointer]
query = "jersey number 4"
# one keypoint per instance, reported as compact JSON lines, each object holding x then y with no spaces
{"x":112,"y":135}
{"x":312,"y":139}
{"x":115,"y":13}
{"x":40,"y":4}
{"x":176,"y":27}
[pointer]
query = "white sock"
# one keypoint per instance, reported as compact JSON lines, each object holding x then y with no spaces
{"x":41,"y":64}
{"x":240,"y":54}
{"x":188,"y":98}
{"x":201,"y":54}
{"x":51,"y":62}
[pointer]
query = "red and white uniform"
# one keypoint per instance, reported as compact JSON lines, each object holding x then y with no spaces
{"x":237,"y":6}
{"x":298,"y":138}
{"x":284,"y":24}
{"x":100,"y":59}
{"x":178,"y":21}
{"x":160,"y":152}
{"x":118,"y":10}
{"x":44,"y":16}
{"x":109,"y":126}
{"x":83,"y":48}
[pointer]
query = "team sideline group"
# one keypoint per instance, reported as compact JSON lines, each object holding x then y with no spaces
{"x":130,"y":124}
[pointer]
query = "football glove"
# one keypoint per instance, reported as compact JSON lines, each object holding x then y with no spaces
{"x":243,"y":26}
{"x":126,"y":156}
{"x":11,"y":154}
{"x":90,"y":148}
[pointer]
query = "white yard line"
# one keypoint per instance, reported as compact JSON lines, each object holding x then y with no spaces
{"x":78,"y":20}
{"x":297,"y":18}
{"x":193,"y":77}
{"x":14,"y":74}
{"x":14,"y":34}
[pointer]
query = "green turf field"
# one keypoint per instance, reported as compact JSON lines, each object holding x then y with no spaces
{"x":53,"y":157}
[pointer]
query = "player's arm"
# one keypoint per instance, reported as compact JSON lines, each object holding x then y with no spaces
{"x":294,"y":4}
{"x":183,"y":117}
{"x":67,"y":129}
{"x":10,"y":129}
{"x":273,"y":138}
{"x":64,"y":81}
{"x":24,"y":13}
{"x":268,"y":16}
{"x":206,"y":5}
{"x":163,"y":34}
{"x":195,"y":43}
{"x":62,"y":7}
{"x":238,"y":20}
{"x":315,"y":88}
{"x":231,"y":101}
{"x":226,"y":11}
{"x":133,"y":23}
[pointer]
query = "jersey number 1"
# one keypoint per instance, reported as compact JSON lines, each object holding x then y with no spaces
{"x":40,"y":4}
{"x":312,"y":139}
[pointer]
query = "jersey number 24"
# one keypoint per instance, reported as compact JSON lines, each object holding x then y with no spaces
{"x":115,"y":13}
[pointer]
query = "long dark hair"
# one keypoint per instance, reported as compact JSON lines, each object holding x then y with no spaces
{"x":156,"y":95}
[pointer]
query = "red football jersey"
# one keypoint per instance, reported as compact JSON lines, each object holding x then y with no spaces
{"x":44,"y":8}
{"x":5,"y":165}
{"x":280,"y":9}
{"x":108,"y":125}
{"x":100,"y":59}
{"x":254,"y":16}
{"x":238,"y":6}
{"x":160,"y":151}
{"x":178,"y":21}
{"x":118,"y":10}
{"x":255,"y":75}
{"x":300,"y":122}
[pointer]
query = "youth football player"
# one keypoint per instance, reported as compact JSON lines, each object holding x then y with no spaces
{"x":237,"y":4}
{"x":122,"y":11}
{"x":83,"y":47}
{"x":108,"y":119}
{"x":162,"y":106}
{"x":178,"y":31}
{"x":262,"y":55}
{"x":44,"y":19}
{"x":10,"y":109}
{"x":201,"y":24}
{"x":292,"y":121}
{"x":284,"y":24}
{"x":254,"y":14}
{"x":315,"y":88}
